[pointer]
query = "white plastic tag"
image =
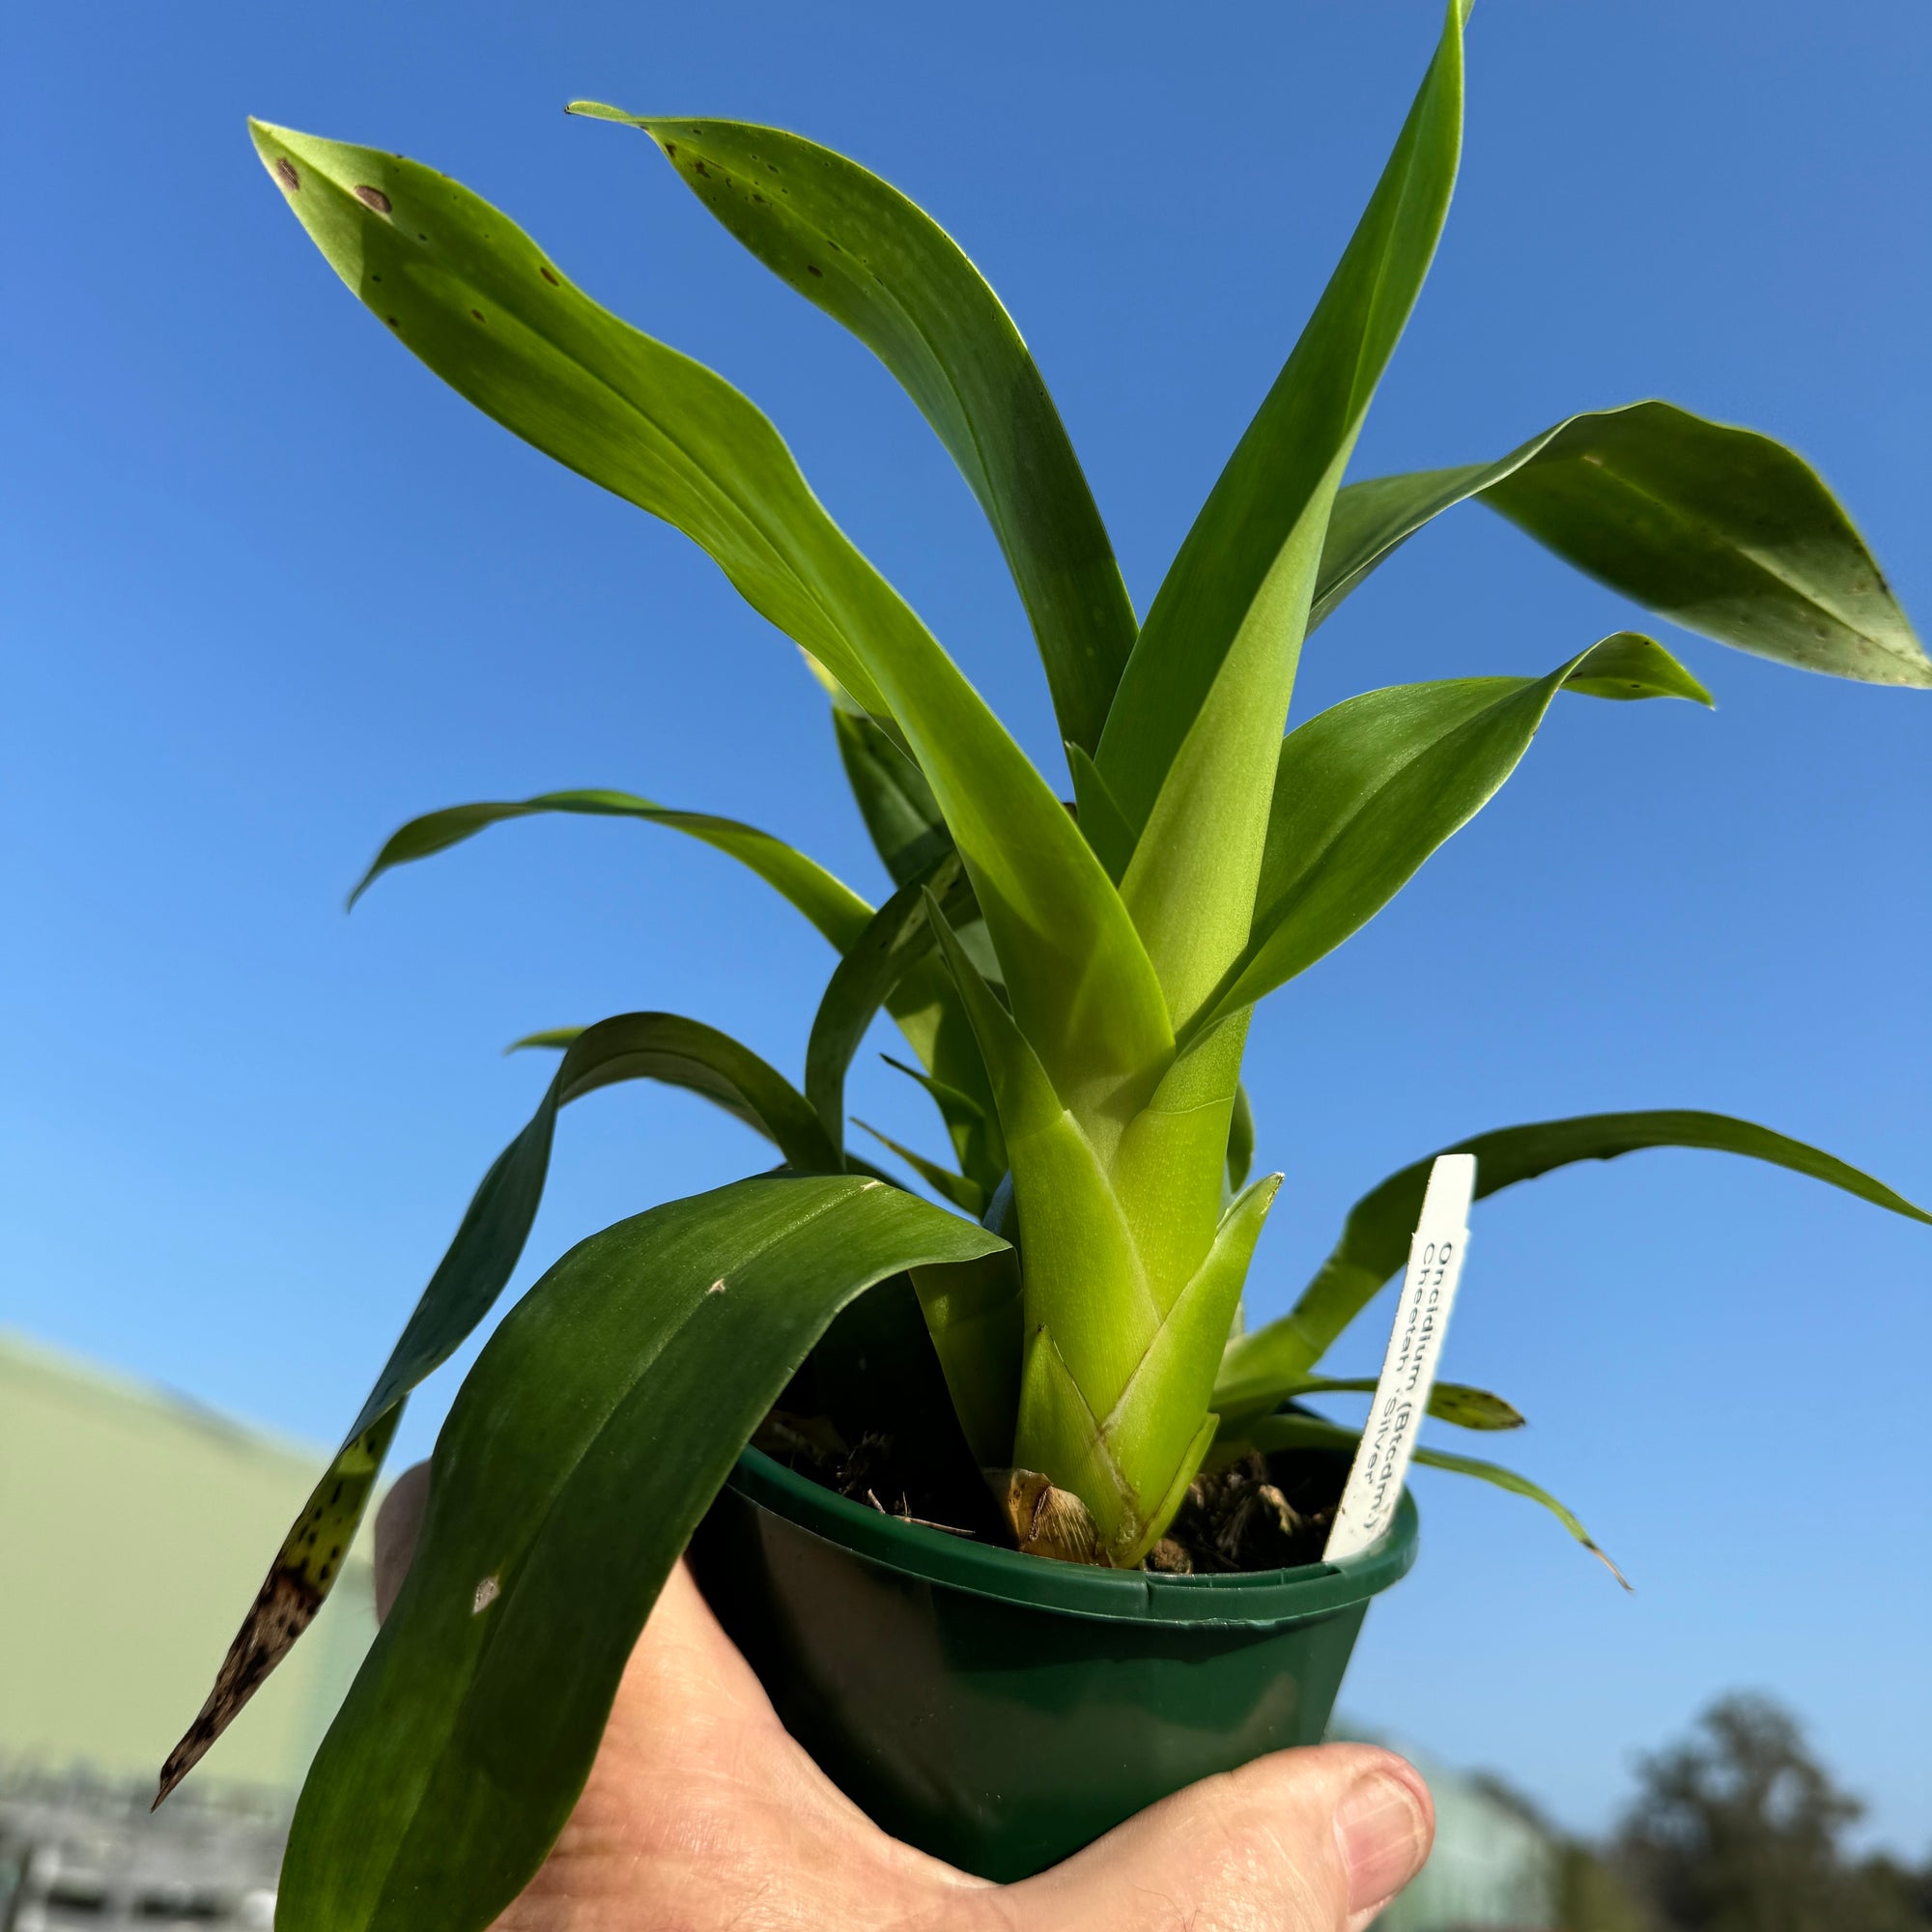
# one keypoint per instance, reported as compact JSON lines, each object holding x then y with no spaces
{"x":1436,"y":1254}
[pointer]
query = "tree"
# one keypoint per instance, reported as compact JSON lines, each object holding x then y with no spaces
{"x":1738,"y":1829}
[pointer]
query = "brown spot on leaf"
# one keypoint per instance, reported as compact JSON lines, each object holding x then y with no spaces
{"x":393,"y":322}
{"x":373,"y":197}
{"x":283,"y":1609}
{"x":285,"y":173}
{"x":478,"y":313}
{"x":812,"y":268}
{"x":543,"y":268}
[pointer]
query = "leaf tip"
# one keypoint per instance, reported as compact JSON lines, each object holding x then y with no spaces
{"x":1602,"y":1557}
{"x":598,"y":110}
{"x":557,"y":1038}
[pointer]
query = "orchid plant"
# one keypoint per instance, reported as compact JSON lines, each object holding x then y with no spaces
{"x":1074,"y":981}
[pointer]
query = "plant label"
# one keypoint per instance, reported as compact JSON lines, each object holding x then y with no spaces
{"x":1436,"y":1254}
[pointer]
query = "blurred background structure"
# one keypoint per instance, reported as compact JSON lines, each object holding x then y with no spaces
{"x":134,"y":1530}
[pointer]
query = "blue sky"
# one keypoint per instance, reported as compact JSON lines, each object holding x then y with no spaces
{"x":271,"y":589}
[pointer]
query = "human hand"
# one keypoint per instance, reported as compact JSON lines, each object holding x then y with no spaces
{"x":702,"y":1814}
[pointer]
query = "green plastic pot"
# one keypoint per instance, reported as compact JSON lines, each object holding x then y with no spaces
{"x":1001,"y":1710}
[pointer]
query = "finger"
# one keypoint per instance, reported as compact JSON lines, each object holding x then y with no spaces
{"x":703,"y":1812}
{"x":398,"y":1524}
{"x":1313,"y":1841}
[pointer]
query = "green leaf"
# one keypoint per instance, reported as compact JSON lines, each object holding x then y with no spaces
{"x":1103,"y":823}
{"x":967,"y":1195}
{"x":974,"y":1314}
{"x":1719,"y":530}
{"x":469,"y":292}
{"x":475,"y":298}
{"x":1235,"y":1402}
{"x":899,"y":936}
{"x":1153,"y":1433}
{"x":1191,"y":741}
{"x":1374,"y":1238}
{"x":894,"y":798}
{"x":905,"y":825}
{"x":861,"y":251}
{"x":462,"y":1290}
{"x":1083,"y":1274}
{"x":945,"y":1096}
{"x":969,"y":1120}
{"x":636,"y":1369}
{"x":1240,"y":1139}
{"x":1367,"y":790}
{"x":835,"y":909}
{"x":701,"y":1060}
{"x":1301,"y":1432}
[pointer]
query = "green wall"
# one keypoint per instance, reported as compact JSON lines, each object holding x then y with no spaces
{"x":134,"y":1532}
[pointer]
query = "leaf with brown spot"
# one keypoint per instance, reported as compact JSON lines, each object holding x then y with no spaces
{"x":293,"y":1592}
{"x":928,"y":315}
{"x":463,"y":1744}
{"x":472,"y":1273}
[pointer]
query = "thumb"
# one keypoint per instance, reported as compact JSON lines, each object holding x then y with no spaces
{"x":1315,"y":1841}
{"x":398,"y":1524}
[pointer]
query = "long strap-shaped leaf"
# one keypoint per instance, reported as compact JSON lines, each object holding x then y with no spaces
{"x":833,"y":907}
{"x":474,"y":296}
{"x":856,"y":248}
{"x":1374,"y":1238}
{"x":1235,"y":1403}
{"x":570,"y":1474}
{"x":970,"y":1120}
{"x":466,"y":1281}
{"x":1272,"y":1433}
{"x":1191,"y":740}
{"x":703,"y":1061}
{"x":1719,"y":529}
{"x":900,"y":813}
{"x":1367,"y":790}
{"x":965,"y":1193}
{"x":923,"y":1003}
{"x":910,"y":835}
{"x":897,"y":937}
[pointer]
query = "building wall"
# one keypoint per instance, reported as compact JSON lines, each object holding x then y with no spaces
{"x":135,"y":1529}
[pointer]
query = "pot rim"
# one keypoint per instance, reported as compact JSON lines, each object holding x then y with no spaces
{"x":1255,"y":1599}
